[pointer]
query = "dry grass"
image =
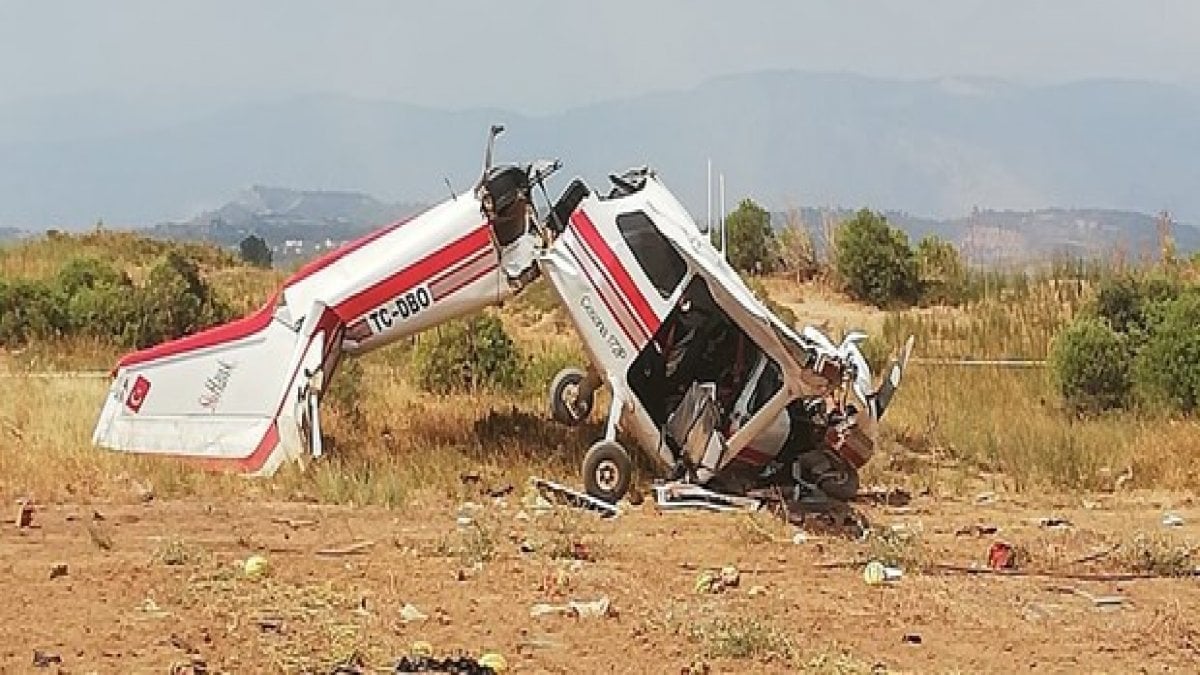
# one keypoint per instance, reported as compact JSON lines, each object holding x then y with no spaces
{"x":948,"y":428}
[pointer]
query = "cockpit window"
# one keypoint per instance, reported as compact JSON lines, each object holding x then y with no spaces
{"x":658,"y":258}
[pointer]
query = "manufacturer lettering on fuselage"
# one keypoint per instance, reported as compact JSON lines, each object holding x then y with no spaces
{"x":614,"y":345}
{"x":214,"y":386}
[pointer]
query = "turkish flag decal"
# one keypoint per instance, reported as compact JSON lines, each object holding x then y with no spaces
{"x":137,"y":395}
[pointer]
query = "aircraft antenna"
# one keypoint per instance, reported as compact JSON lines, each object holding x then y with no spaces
{"x":450,"y":187}
{"x":708,"y":188}
{"x":724,"y":244}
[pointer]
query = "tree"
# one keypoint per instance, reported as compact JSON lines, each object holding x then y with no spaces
{"x":1090,"y":363}
{"x":255,"y":251}
{"x":467,"y":355}
{"x":797,"y":255}
{"x":874,"y":260}
{"x":752,"y":245}
{"x":941,"y":270}
{"x":1167,"y":368}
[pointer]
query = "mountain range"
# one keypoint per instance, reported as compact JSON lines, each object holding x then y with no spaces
{"x":939,"y":148}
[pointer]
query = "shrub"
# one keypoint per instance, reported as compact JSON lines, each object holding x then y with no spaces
{"x":1129,"y":304}
{"x":874,"y":260}
{"x":751,"y":246}
{"x":1090,"y":363}
{"x":30,"y":310}
{"x":942,"y":273}
{"x":468,"y":355}
{"x":175,"y":301}
{"x":1167,"y":368}
{"x":85,"y":273}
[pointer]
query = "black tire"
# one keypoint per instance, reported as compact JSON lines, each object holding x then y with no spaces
{"x":840,"y":483}
{"x":564,"y":407}
{"x":607,"y":471}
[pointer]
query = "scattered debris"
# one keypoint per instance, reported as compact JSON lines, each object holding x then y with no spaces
{"x":494,"y":660}
{"x":351,"y":549}
{"x":1172,"y":520}
{"x":756,"y":591}
{"x":1100,"y":601}
{"x":1092,"y":505}
{"x":1054,"y":522}
{"x":885,"y":497}
{"x":24,"y":517}
{"x":686,"y":496}
{"x":985,"y":499}
{"x":270,"y":625}
{"x":409,"y":614}
{"x":876,"y":573}
{"x":978,"y":530}
{"x":565,"y":496}
{"x":594,"y":609}
{"x":58,"y":570}
{"x":460,"y":665}
{"x":1001,"y":556}
{"x":1096,"y":555}
{"x":800,"y":537}
{"x":294,"y":523}
{"x":43,"y":659}
{"x":716,"y":581}
{"x":255,"y":566}
{"x":911,"y":639}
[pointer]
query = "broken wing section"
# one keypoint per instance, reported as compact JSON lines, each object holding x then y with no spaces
{"x":239,"y":397}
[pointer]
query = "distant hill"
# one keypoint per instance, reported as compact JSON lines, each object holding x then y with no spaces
{"x":11,"y":233}
{"x":988,"y":236}
{"x":298,"y":224}
{"x":940,"y":147}
{"x":295,"y":223}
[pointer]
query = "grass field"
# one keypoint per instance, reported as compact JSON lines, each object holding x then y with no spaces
{"x":154,"y":548}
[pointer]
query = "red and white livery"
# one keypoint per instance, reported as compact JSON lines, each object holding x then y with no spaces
{"x":245,"y":395}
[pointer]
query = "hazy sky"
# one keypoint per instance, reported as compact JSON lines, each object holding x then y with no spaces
{"x":546,"y":55}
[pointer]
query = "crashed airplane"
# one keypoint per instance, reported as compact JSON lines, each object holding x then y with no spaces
{"x":704,"y":378}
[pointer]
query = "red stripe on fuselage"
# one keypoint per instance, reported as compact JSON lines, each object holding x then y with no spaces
{"x":409,"y":277}
{"x":620,"y":317}
{"x":611,"y":264}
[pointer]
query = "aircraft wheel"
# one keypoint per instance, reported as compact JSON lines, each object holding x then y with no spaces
{"x":840,"y":483}
{"x":607,"y":471}
{"x":566,"y":406}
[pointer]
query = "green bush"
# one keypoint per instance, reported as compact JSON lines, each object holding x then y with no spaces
{"x":874,"y":260}
{"x":1167,"y":368}
{"x":87,"y":273}
{"x":175,"y":301}
{"x":752,"y":246}
{"x":1090,"y":363}
{"x":1129,"y":304}
{"x":942,"y":274}
{"x":469,"y":355}
{"x":30,"y":310}
{"x":89,"y":297}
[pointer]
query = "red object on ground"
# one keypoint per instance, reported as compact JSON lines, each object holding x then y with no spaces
{"x":1000,"y":556}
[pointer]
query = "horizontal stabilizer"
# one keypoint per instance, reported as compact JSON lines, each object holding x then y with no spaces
{"x":231,"y":397}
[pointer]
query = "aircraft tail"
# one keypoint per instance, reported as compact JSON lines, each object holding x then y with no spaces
{"x":242,"y":396}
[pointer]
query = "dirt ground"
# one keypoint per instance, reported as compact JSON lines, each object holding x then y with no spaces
{"x":156,"y":586}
